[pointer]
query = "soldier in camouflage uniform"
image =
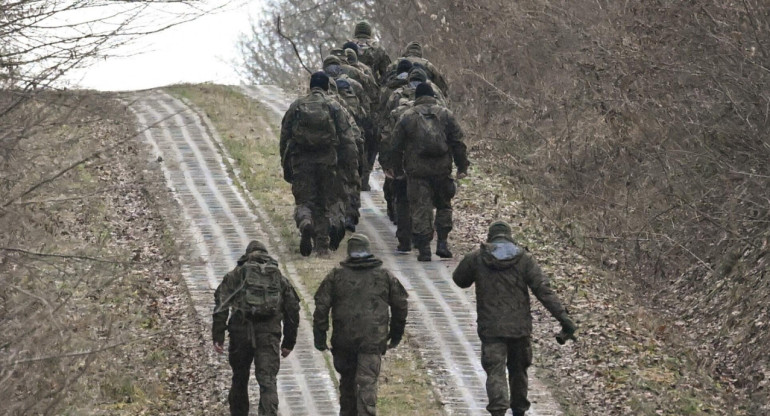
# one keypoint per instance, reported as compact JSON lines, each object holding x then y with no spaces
{"x":312,"y":171}
{"x":429,"y":174}
{"x":369,"y":50}
{"x":254,"y":340}
{"x":368,"y":307}
{"x":504,"y":273}
{"x":413,"y":53}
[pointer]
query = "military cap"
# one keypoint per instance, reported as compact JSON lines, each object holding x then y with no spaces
{"x":424,"y":89}
{"x":417,"y":74}
{"x":499,"y":228}
{"x":331,"y":60}
{"x":363,"y":29}
{"x":358,"y":245}
{"x":255,"y":245}
{"x":319,"y":79}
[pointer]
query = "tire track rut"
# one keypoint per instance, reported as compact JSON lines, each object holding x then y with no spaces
{"x":221,"y":221}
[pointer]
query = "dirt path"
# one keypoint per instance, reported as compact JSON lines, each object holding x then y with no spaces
{"x":442,"y":317}
{"x":221,"y":222}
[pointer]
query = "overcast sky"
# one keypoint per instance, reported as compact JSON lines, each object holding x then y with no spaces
{"x":198,"y":51}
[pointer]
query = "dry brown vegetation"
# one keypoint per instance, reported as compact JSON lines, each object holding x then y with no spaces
{"x":94,"y":316}
{"x":637,"y":129}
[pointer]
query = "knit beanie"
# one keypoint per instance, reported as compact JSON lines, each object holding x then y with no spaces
{"x":320,"y":80}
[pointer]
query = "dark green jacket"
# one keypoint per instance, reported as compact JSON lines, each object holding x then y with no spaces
{"x":404,"y":141}
{"x":361,"y":296}
{"x":239,"y":323}
{"x":293,"y":155}
{"x":502,"y":290}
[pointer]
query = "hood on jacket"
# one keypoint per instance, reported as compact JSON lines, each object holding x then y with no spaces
{"x":256,"y":256}
{"x":413,"y":49}
{"x":501,"y":253}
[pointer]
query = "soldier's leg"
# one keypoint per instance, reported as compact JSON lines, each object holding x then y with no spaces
{"x":403,"y":217}
{"x":519,"y":359}
{"x":367,"y":372}
{"x":304,"y":204}
{"x":325,"y":197}
{"x":494,"y":352}
{"x":346,"y":363}
{"x":240,"y":356}
{"x":267,"y":362}
{"x":371,"y":146}
{"x":443,"y":191}
{"x":387,"y":193}
{"x":419,"y":195}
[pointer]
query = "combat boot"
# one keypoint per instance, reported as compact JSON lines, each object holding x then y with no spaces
{"x":517,"y":413}
{"x":442,"y":249}
{"x":336,"y":235}
{"x":424,"y":252}
{"x":404,"y":246}
{"x":350,"y":224}
{"x":306,"y":243}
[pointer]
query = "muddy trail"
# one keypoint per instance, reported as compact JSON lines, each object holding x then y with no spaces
{"x":222,"y":218}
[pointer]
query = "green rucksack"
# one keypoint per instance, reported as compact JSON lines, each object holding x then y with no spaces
{"x":314,"y":126}
{"x":429,"y":136}
{"x":260,"y":294}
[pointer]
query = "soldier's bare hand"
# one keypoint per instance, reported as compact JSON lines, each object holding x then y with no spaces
{"x":219,"y":347}
{"x":285,"y":352}
{"x":462,"y":176}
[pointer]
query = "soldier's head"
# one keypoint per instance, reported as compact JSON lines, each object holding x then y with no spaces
{"x":319,"y":80}
{"x":352,"y":56}
{"x":363,"y":30}
{"x":339,"y":53}
{"x":351,"y":45}
{"x":416,"y":77}
{"x":499,"y":229}
{"x":332,"y":65}
{"x":413,"y":49}
{"x":403,"y":66}
{"x":255,"y":245}
{"x":343,"y":85}
{"x":424,"y":90}
{"x":358,"y":246}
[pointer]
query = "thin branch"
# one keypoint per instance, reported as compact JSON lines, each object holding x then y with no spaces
{"x":293,"y":45}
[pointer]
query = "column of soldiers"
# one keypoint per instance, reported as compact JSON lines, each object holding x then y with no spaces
{"x":362,"y":104}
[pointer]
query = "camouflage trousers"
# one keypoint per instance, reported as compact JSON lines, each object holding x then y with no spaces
{"x":403,"y":216}
{"x":371,"y":148}
{"x":425,"y":194}
{"x":313,"y":186}
{"x":358,"y":381}
{"x":264,"y":351}
{"x":515,"y":354}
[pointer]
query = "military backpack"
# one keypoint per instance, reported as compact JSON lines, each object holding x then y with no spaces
{"x":260,"y":294}
{"x":430,"y":138}
{"x":314,"y":126}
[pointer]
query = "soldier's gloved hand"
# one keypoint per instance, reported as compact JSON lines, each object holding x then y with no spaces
{"x":319,"y":340}
{"x":568,"y":329}
{"x":394,"y":341}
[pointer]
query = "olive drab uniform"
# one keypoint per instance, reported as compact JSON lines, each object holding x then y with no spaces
{"x":368,"y":306}
{"x":312,"y":130}
{"x":350,"y":157}
{"x":371,"y":53}
{"x":504,"y":274}
{"x":413,"y":53}
{"x":428,"y":167}
{"x":254,"y":339}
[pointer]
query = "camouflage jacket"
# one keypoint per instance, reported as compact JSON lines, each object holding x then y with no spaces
{"x":239,"y":322}
{"x":361,"y":296}
{"x":373,"y":55}
{"x":405,"y":159}
{"x":433,"y":72}
{"x":294,"y":155}
{"x":503,"y":283}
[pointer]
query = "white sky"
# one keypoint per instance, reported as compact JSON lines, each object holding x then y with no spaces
{"x":198,"y":51}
